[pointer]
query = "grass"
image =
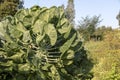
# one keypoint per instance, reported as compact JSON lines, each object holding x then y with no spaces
{"x":104,"y":57}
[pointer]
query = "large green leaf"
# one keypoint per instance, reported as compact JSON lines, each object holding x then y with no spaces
{"x":44,"y":15}
{"x":3,"y":32}
{"x":34,"y":11}
{"x":70,"y":54}
{"x":18,"y":57}
{"x":39,"y":38}
{"x":51,"y":11}
{"x":51,"y":32}
{"x":61,"y":12}
{"x":6,"y":66}
{"x":20,"y":15}
{"x":27,"y":21}
{"x":38,"y":27}
{"x":20,"y":27}
{"x":24,"y":68}
{"x":64,"y":26}
{"x":54,"y":73}
{"x":26,"y":37}
{"x":14,"y":33}
{"x":67,"y":44}
{"x":68,"y":32}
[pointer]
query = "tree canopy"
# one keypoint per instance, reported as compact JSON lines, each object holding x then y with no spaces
{"x":87,"y":26}
{"x":8,"y":7}
{"x":118,"y":18}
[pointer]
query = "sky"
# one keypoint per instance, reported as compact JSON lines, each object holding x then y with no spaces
{"x":108,"y":9}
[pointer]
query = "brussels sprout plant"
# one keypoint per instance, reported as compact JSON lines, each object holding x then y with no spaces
{"x":39,"y":44}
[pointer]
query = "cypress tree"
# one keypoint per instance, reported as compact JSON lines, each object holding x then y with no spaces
{"x":70,"y":11}
{"x":118,"y":18}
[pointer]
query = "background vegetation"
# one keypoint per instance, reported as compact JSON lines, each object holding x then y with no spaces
{"x":105,"y":55}
{"x":9,"y":7}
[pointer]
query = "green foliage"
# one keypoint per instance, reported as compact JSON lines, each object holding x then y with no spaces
{"x":118,"y":18}
{"x":8,"y":7}
{"x":40,"y":44}
{"x":105,"y":57}
{"x":87,"y":26}
{"x":21,"y":3}
{"x":113,"y":74}
{"x":113,"y":38}
{"x":70,"y":11}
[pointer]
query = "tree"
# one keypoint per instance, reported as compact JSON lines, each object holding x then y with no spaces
{"x":70,"y":11}
{"x":87,"y":25}
{"x":118,"y":18}
{"x":9,"y":7}
{"x":21,"y":2}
